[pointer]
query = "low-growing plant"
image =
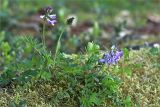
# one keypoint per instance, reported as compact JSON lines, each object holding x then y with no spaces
{"x":83,"y":79}
{"x":79,"y":77}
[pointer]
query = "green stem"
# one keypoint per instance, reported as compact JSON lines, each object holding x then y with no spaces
{"x":43,"y":36}
{"x":58,"y":46}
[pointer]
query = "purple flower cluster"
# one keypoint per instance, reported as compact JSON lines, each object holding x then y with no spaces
{"x":111,"y":57}
{"x":46,"y":15}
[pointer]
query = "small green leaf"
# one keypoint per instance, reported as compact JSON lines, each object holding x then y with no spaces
{"x":45,"y":75}
{"x":22,"y":103}
{"x":127,"y":70}
{"x":13,"y":104}
{"x":126,"y":53}
{"x":5,"y":47}
{"x":92,"y":48}
{"x":94,"y":99}
{"x":96,"y":29}
{"x":154,"y":51}
{"x":2,"y":36}
{"x":127,"y":102}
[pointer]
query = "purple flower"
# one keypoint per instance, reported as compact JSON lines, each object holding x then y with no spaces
{"x":47,"y":16}
{"x":52,"y":22}
{"x":51,"y":19}
{"x":111,"y":57}
{"x":46,"y":10}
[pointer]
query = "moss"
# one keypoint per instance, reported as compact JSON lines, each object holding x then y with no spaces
{"x":143,"y":86}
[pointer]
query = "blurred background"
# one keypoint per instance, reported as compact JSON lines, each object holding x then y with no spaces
{"x":126,"y":23}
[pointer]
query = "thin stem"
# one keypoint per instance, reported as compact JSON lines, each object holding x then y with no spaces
{"x":43,"y":36}
{"x":58,"y":46}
